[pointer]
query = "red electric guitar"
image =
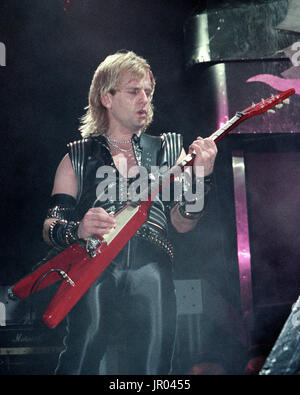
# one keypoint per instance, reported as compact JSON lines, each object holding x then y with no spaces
{"x":79,"y":267}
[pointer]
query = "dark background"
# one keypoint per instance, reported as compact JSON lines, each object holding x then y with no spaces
{"x":52,"y":50}
{"x":51,"y":58}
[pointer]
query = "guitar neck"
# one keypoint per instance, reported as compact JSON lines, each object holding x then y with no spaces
{"x":167,"y":177}
{"x":229,"y":125}
{"x":216,"y":136}
{"x":256,"y":109}
{"x":175,"y":171}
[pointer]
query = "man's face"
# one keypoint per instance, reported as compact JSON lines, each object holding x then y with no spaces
{"x":128,"y":107}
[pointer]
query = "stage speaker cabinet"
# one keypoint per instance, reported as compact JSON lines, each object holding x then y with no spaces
{"x":27,"y":346}
{"x":284,"y":358}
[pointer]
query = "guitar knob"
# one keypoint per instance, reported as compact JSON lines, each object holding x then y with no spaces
{"x":92,"y":243}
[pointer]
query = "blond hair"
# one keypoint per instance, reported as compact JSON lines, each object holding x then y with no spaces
{"x":105,"y":80}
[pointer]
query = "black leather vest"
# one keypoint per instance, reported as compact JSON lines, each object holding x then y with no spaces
{"x":88,"y":155}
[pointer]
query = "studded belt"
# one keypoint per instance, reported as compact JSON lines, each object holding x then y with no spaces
{"x":157,"y":238}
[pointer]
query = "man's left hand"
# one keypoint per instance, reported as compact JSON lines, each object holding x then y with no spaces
{"x":206,"y":152}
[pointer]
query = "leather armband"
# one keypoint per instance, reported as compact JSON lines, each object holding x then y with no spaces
{"x":61,"y":206}
{"x":62,"y":231}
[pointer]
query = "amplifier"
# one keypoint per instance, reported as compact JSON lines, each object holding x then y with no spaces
{"x":27,"y":346}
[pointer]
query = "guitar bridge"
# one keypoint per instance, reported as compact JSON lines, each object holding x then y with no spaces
{"x":92,"y":244}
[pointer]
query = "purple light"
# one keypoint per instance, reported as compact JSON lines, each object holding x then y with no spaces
{"x":243,"y":245}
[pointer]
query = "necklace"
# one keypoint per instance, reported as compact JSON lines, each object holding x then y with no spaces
{"x":114,"y":143}
{"x":117,"y":141}
{"x":119,"y":148}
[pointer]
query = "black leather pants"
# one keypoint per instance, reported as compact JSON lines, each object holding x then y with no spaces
{"x":134,"y":297}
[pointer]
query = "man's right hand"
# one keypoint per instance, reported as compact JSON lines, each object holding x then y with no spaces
{"x":96,"y":222}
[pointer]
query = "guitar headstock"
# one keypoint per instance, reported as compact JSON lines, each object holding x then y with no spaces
{"x":267,"y":104}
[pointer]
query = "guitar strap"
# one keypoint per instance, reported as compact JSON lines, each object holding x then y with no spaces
{"x":151,"y":148}
{"x":160,"y":150}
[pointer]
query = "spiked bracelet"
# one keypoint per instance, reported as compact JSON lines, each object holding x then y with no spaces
{"x":186,"y":214}
{"x":182,"y":205}
{"x":207,"y":182}
{"x":59,"y":212}
{"x":63,"y":233}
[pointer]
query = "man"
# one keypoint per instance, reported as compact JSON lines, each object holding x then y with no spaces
{"x":136,"y":291}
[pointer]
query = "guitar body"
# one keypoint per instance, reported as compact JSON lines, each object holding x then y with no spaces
{"x":48,"y":273}
{"x":80,"y":269}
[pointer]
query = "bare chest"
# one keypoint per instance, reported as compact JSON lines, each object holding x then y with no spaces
{"x":126,"y":163}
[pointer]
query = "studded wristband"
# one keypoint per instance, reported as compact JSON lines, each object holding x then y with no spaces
{"x":182,"y":205}
{"x":63,"y":233}
{"x":186,"y":214}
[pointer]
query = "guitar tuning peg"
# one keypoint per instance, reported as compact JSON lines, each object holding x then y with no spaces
{"x":271,"y":111}
{"x":279,"y":105}
{"x":286,"y":101}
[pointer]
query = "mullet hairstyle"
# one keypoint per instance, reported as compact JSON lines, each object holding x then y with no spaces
{"x":106,"y":79}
